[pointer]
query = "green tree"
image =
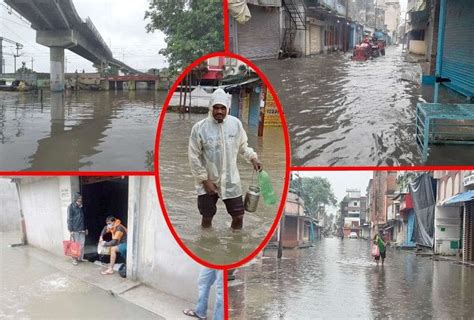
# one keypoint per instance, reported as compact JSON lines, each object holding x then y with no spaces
{"x":192,"y":28}
{"x":316,"y":193}
{"x":111,"y":71}
{"x":405,"y":178}
{"x":24,"y":69}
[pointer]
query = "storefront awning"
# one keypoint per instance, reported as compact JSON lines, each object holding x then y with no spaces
{"x":234,"y":85}
{"x":460,"y":197}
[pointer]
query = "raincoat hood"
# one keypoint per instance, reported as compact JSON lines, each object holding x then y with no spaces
{"x":219,"y":97}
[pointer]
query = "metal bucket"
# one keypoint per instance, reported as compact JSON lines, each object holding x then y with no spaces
{"x":251,"y":198}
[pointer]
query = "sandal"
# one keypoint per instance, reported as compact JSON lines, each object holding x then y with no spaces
{"x":107,"y":272}
{"x":192,"y":313}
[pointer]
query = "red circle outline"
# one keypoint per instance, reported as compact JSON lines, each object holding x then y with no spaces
{"x":287,"y":157}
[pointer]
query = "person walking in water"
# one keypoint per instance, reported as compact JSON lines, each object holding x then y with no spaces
{"x":214,"y":145}
{"x":381,"y":244}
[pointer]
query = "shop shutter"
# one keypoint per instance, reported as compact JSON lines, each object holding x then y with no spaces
{"x":468,"y":234}
{"x":315,"y":33}
{"x":259,"y":38}
{"x":458,"y":55}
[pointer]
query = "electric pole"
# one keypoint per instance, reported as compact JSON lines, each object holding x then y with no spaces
{"x":17,"y":55}
{"x":18,"y":45}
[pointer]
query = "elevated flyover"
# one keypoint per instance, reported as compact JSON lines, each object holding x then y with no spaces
{"x":59,"y":27}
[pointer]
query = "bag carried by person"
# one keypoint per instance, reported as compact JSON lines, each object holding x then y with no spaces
{"x":104,"y":251}
{"x":71,"y":248}
{"x":375,"y":250}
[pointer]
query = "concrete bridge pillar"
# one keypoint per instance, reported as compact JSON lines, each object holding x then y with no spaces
{"x":56,"y":56}
{"x":132,"y":85}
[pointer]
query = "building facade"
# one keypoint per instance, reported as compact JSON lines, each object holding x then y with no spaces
{"x":383,"y":187}
{"x":259,"y":37}
{"x":153,"y":256}
{"x":299,"y":230}
{"x":353,"y":212}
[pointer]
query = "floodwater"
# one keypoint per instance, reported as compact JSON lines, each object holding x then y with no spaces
{"x":84,"y":130}
{"x":219,"y":245}
{"x":343,"y":112}
{"x":337,"y":279}
{"x":31,"y":289}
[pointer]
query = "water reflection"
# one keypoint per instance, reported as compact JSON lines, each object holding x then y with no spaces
{"x":339,"y":279}
{"x":220,"y":245}
{"x":101,"y":131}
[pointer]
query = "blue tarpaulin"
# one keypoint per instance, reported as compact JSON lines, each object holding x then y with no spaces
{"x":460,"y":197}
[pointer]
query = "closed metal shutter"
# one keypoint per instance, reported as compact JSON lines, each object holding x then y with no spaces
{"x":259,"y":38}
{"x":458,"y":55}
{"x":315,"y":32}
{"x":468,"y":234}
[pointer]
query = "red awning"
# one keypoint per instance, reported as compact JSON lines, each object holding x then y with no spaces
{"x":407,"y":203}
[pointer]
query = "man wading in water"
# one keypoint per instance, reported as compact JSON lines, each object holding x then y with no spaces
{"x":214,"y":145}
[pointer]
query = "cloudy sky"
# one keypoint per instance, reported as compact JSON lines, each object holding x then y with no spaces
{"x":120,"y":22}
{"x":342,"y":180}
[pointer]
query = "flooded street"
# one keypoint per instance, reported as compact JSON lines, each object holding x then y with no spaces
{"x":85,"y":130}
{"x":342,"y":112}
{"x":338,"y":279}
{"x":219,"y":245}
{"x":31,"y":289}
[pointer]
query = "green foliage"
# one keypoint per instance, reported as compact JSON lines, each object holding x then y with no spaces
{"x":405,"y":178}
{"x":24,"y":69}
{"x":111,"y":71}
{"x":316,"y":193}
{"x":192,"y":28}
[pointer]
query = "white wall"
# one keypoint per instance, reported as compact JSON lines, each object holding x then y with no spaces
{"x":9,"y":206}
{"x":161,"y":262}
{"x":44,"y":203}
{"x":418,"y":47}
{"x":449,"y":219}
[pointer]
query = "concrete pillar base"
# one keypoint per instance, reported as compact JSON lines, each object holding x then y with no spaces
{"x":57,"y":81}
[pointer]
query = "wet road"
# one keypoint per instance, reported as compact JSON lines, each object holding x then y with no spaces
{"x":338,"y":279}
{"x":86,"y":131}
{"x":219,"y":245}
{"x":342,"y":112}
{"x":31,"y":289}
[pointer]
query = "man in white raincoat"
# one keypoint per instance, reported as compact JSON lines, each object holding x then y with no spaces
{"x":214,"y":145}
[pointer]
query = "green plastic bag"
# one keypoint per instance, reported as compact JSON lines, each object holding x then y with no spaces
{"x":266,"y":189}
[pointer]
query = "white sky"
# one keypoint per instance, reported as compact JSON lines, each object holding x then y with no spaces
{"x":342,"y":180}
{"x":120,"y":23}
{"x":403,"y":6}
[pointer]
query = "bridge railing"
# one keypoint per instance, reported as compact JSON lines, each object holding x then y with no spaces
{"x":96,"y":33}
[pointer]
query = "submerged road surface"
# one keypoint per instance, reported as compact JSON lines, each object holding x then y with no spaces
{"x":344,"y":112}
{"x":218,"y":245}
{"x":337,"y":279}
{"x":86,"y":131}
{"x":31,"y":289}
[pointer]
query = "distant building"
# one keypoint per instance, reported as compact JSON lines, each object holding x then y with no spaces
{"x":383,"y":187}
{"x":353,"y":212}
{"x":392,"y":19}
{"x":299,"y":230}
